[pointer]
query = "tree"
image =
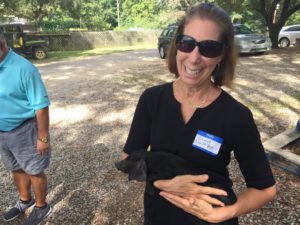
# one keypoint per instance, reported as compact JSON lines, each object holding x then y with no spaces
{"x":275,"y":13}
{"x":139,"y":13}
{"x":29,"y":9}
{"x":93,"y":14}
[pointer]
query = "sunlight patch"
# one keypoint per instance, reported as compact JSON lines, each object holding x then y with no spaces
{"x":70,"y":114}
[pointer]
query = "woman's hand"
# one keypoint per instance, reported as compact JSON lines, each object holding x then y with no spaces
{"x":185,"y":193}
{"x":187,"y":186}
{"x":200,"y":208}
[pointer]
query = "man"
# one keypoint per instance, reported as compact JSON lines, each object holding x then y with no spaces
{"x":24,"y":133}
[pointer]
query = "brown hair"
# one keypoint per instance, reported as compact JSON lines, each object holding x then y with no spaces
{"x":224,"y":72}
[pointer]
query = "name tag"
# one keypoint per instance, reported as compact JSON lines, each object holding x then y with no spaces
{"x":207,"y":142}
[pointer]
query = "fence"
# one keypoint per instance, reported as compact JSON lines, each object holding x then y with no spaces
{"x":90,"y":40}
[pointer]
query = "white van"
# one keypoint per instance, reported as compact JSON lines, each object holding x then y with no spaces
{"x":288,"y":35}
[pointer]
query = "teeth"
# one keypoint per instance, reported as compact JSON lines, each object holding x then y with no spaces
{"x":192,"y":72}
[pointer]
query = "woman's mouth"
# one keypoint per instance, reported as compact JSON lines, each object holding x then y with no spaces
{"x":192,"y":72}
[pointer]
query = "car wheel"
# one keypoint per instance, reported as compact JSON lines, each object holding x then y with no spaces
{"x":162,"y":52}
{"x":39,"y":53}
{"x":284,"y":42}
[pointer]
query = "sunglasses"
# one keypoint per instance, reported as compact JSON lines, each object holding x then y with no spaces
{"x":207,"y":48}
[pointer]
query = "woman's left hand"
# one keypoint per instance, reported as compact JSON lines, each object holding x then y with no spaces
{"x":187,"y":186}
{"x":199,"y":208}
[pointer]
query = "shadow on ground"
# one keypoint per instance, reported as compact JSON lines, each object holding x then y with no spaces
{"x":93,"y":101}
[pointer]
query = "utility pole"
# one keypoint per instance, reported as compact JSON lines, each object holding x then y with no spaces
{"x":118,"y":12}
{"x":275,"y":13}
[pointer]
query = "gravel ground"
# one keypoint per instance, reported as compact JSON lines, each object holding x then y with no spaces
{"x":92,"y":105}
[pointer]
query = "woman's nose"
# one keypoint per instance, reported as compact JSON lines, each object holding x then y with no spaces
{"x":195,"y":56}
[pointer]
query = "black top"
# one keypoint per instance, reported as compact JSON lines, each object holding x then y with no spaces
{"x":158,"y":123}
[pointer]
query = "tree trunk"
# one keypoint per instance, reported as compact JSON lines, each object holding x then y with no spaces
{"x":273,"y":33}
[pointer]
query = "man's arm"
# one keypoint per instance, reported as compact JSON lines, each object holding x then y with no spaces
{"x":43,"y":142}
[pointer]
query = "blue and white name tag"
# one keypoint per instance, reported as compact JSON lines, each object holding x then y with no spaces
{"x":207,"y":142}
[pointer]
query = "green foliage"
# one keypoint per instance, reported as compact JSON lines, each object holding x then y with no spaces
{"x":103,"y":14}
{"x":294,"y":19}
{"x":58,"y":25}
{"x":139,"y":13}
{"x":30,"y":9}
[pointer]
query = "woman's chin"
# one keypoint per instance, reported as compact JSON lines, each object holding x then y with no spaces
{"x":190,"y":79}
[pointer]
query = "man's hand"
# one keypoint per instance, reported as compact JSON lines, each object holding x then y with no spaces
{"x":42,"y":147}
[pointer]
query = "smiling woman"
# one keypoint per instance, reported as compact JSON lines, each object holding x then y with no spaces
{"x":196,"y":120}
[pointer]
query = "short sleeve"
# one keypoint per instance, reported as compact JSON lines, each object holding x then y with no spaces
{"x":250,"y":153}
{"x":139,"y":133}
{"x":35,"y":90}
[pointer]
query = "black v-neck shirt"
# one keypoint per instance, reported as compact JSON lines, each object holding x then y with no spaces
{"x":158,"y":123}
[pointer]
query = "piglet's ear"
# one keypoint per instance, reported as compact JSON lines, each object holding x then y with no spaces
{"x":138,"y":171}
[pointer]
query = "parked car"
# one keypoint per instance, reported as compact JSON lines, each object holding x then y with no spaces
{"x":248,"y":41}
{"x":164,"y":40}
{"x":28,"y":44}
{"x":288,"y":35}
{"x":245,"y":40}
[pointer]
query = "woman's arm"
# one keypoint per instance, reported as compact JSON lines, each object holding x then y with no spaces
{"x":249,"y":200}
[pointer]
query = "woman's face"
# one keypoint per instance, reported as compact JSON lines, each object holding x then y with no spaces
{"x":195,"y":69}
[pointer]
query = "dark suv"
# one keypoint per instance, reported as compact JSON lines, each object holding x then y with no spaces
{"x":164,"y":40}
{"x":28,"y":44}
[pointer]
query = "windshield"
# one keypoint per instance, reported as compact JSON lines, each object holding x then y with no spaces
{"x":242,"y":30}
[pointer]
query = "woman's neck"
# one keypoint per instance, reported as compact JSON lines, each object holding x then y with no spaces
{"x":199,"y":90}
{"x":197,"y":96}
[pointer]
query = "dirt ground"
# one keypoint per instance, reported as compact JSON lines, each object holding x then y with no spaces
{"x":92,"y":103}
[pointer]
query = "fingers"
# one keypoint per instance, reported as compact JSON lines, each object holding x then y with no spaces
{"x":43,"y":151}
{"x":123,"y":155}
{"x":188,"y":185}
{"x":210,"y":200}
{"x":194,"y":206}
{"x":182,"y":179}
{"x":43,"y":148}
{"x":162,"y":184}
{"x":211,"y":191}
{"x":176,"y":200}
{"x":196,"y":178}
{"x":199,"y":207}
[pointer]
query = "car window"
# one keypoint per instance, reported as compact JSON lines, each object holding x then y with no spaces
{"x":11,"y":29}
{"x":242,"y":30}
{"x":172,"y":32}
{"x":295,"y":28}
{"x":164,"y":33}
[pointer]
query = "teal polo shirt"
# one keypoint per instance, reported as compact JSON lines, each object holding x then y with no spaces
{"x":22,"y":91}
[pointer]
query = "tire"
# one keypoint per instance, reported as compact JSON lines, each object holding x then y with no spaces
{"x":39,"y":53}
{"x":162,"y":52}
{"x":284,"y":42}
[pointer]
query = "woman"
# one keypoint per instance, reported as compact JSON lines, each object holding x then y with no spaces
{"x":194,"y":118}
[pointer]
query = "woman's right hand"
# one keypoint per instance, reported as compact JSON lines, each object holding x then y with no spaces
{"x":188,"y":186}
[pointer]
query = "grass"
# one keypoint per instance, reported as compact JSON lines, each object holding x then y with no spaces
{"x":62,"y":55}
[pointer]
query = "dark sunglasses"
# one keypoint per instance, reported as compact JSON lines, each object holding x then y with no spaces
{"x":207,"y":48}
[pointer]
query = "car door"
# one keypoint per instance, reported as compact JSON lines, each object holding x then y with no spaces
{"x":165,"y":39}
{"x":294,"y":33}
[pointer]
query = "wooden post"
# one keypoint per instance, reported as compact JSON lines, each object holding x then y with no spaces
{"x":298,"y":43}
